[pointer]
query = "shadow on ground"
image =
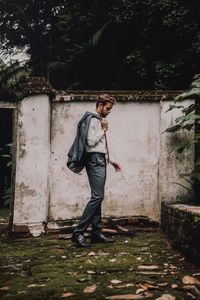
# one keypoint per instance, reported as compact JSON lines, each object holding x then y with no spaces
{"x":140,"y":267}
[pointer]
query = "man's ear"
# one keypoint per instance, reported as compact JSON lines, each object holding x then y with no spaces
{"x":99,"y":107}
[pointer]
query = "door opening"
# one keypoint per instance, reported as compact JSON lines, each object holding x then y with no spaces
{"x":7,"y":166}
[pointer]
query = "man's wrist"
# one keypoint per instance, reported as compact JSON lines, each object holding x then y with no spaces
{"x":111,"y":161}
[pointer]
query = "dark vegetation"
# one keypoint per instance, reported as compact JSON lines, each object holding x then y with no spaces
{"x":123,"y":44}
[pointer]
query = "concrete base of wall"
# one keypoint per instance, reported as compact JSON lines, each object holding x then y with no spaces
{"x":181,"y":224}
{"x":136,"y":223}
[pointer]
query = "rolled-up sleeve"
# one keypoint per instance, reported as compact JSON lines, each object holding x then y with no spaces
{"x":95,"y":132}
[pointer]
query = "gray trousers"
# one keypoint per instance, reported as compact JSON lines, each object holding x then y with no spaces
{"x":95,"y":164}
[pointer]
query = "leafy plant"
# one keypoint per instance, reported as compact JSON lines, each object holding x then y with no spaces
{"x":11,"y":76}
{"x":189,"y":120}
{"x":121,"y":44}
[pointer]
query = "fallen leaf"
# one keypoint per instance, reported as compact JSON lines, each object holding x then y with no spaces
{"x":181,"y":259}
{"x":128,"y":296}
{"x":190,"y":280}
{"x":145,"y":267}
{"x":145,"y":286}
{"x":131,"y":296}
{"x":91,"y":253}
{"x":121,"y":286}
{"x":163,"y":284}
{"x":67,"y":294}
{"x":116,"y":281}
{"x":138,"y":258}
{"x":82,"y":279}
{"x":90,"y":288}
{"x":35,"y":285}
{"x":174,"y":286}
{"x":110,"y":286}
{"x":91,"y":272}
{"x":166,"y":297}
{"x":139,"y":291}
{"x":4,"y":288}
{"x":151,"y":273}
{"x":21,"y":292}
{"x":112,"y":260}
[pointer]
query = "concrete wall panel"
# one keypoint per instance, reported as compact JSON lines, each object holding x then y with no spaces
{"x":32,"y":163}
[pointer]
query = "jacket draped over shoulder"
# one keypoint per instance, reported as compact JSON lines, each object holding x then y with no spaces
{"x":75,"y":161}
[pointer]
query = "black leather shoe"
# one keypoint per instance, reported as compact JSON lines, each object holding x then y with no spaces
{"x":100,"y":238}
{"x":79,"y":240}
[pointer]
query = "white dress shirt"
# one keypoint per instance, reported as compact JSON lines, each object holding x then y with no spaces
{"x":96,"y":137}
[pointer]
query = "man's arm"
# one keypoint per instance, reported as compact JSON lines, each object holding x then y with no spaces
{"x":115,"y":164}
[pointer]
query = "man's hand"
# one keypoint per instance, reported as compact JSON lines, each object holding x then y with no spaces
{"x":104,"y":124}
{"x":116,"y":166}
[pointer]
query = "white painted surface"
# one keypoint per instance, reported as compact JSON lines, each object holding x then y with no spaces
{"x":47,"y":190}
{"x":134,"y":140}
{"x":31,"y":189}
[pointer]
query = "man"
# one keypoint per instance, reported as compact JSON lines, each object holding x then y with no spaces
{"x":90,"y":149}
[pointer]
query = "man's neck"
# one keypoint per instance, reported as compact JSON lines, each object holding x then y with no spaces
{"x":98,"y":113}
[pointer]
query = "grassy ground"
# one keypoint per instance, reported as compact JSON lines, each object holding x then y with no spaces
{"x":144,"y":266}
{"x":4,"y":214}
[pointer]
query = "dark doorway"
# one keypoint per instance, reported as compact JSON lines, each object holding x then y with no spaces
{"x":6,"y":143}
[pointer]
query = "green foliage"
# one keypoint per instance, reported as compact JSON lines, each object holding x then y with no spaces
{"x":122,"y":44}
{"x":190,"y":119}
{"x":10,"y":78}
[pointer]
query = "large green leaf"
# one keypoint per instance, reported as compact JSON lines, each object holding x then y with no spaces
{"x":172,"y":106}
{"x":192,"y":94}
{"x":96,"y":38}
{"x":173,"y":128}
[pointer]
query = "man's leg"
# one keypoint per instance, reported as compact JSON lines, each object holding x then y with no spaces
{"x":96,"y":221}
{"x":96,"y":171}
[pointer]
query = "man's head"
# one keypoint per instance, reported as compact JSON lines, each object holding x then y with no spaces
{"x":105,"y":104}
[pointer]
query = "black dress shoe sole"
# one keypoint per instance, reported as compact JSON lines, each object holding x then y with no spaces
{"x":83,"y":246}
{"x":102,"y":241}
{"x":79,"y":245}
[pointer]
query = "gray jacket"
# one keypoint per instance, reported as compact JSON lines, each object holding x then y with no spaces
{"x":75,"y":161}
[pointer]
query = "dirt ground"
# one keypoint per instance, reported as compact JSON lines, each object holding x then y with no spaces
{"x":140,"y":267}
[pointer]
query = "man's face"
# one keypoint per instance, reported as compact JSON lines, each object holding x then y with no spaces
{"x":105,"y":110}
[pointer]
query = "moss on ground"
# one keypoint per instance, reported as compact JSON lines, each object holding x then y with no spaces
{"x":47,"y":268}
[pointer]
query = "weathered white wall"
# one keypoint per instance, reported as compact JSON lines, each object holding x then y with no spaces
{"x":46,"y":190}
{"x":32,"y":162}
{"x":136,"y":141}
{"x":133,"y":138}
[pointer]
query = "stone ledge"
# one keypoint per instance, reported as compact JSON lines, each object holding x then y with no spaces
{"x":181,"y":224}
{"x":135,"y":95}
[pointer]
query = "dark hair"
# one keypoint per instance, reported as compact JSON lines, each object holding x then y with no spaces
{"x":104,"y":99}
